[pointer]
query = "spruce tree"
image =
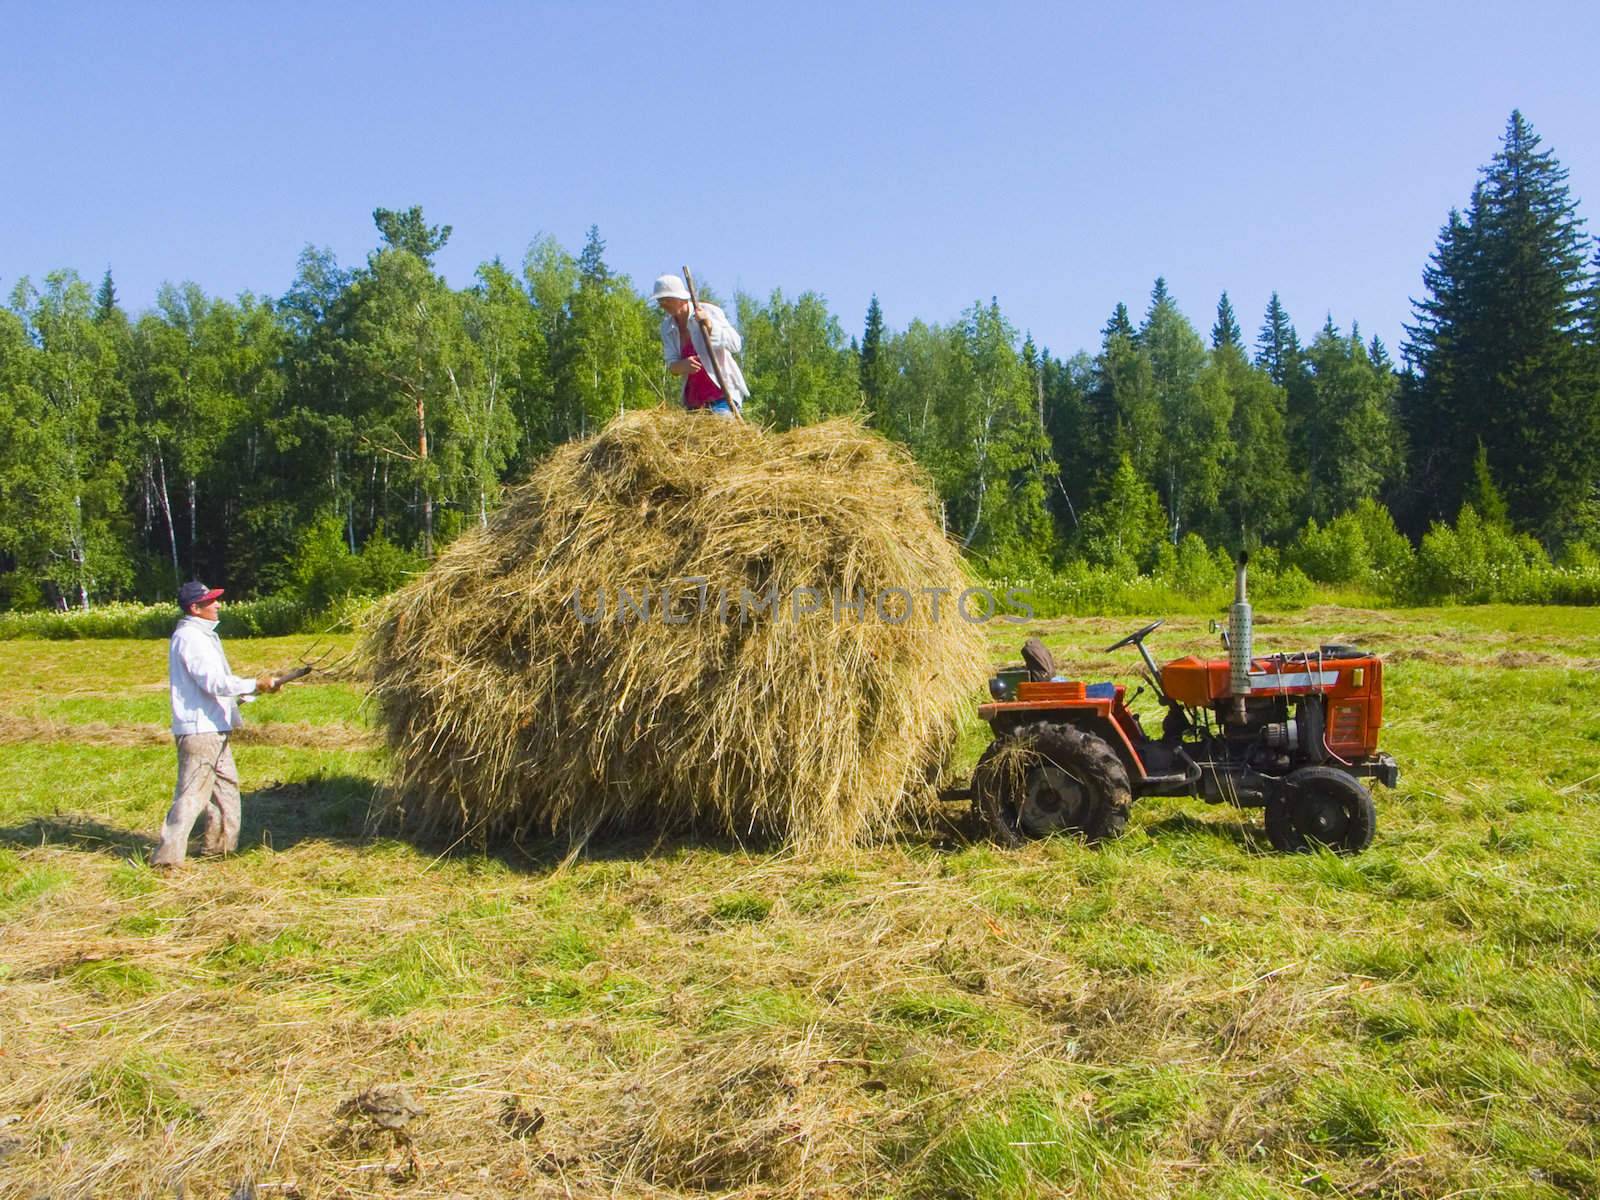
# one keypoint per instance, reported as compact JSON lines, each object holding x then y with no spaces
{"x":1277,"y":346}
{"x":1438,"y":436}
{"x":105,"y":299}
{"x":1484,"y":496}
{"x":1497,"y":347}
{"x":1225,"y":333}
{"x":1591,"y":305}
{"x":592,"y":258}
{"x":874,"y":365}
{"x":1120,"y":325}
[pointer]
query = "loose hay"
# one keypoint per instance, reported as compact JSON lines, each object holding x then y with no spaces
{"x":513,"y":706}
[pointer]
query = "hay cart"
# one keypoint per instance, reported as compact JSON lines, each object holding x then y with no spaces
{"x":1295,"y":734}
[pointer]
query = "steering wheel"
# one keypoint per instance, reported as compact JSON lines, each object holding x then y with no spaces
{"x":1136,"y":637}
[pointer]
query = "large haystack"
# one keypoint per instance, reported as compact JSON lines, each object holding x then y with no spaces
{"x":514,"y":706}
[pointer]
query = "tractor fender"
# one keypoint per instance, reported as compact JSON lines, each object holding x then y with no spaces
{"x":1090,"y":719}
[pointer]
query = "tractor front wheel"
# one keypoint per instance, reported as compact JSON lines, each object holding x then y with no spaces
{"x":1322,"y":806}
{"x":1044,"y":778}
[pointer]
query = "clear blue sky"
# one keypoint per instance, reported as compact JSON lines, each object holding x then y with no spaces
{"x":1056,"y":156}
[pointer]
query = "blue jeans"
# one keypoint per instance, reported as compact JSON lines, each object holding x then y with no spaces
{"x":719,"y":409}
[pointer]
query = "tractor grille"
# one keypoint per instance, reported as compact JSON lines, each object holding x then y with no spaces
{"x":1348,"y":726}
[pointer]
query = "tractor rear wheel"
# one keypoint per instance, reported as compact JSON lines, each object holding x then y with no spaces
{"x":1322,"y":806}
{"x":1044,"y":778}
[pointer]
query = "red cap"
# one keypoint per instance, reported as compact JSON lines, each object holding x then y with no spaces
{"x":194,"y":592}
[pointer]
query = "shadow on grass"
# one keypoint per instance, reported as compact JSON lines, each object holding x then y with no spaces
{"x":945,"y":830}
{"x":345,"y":809}
{"x":78,"y":833}
{"x":1243,"y":832}
{"x":323,"y":808}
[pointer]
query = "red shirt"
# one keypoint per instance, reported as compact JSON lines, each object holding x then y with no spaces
{"x":699,"y":389}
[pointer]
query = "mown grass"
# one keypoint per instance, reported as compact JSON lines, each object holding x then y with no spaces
{"x":1182,"y":1013}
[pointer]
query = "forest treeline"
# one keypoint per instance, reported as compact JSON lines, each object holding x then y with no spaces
{"x":329,"y":440}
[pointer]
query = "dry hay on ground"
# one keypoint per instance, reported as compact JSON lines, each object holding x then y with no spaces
{"x":516,"y":703}
{"x":15,"y":730}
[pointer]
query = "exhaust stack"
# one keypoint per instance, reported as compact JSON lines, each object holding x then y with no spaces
{"x":1239,"y":639}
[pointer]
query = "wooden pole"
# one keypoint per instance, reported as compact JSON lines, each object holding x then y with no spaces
{"x":711,"y":355}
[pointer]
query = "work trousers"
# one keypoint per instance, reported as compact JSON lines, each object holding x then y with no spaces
{"x":208,"y":783}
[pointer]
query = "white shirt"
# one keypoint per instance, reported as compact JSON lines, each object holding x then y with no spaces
{"x":725,"y":343}
{"x":204,"y":690}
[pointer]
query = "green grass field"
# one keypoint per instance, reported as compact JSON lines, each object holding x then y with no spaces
{"x":1181,"y":1013}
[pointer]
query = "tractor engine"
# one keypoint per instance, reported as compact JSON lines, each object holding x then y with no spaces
{"x":1280,"y":712}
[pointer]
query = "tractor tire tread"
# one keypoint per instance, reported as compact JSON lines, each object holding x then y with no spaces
{"x":1281,"y":831}
{"x":1089,"y":755}
{"x":986,"y":799}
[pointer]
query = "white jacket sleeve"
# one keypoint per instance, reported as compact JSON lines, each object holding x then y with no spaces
{"x":723,"y":335}
{"x":669,"y":342}
{"x":209,"y":673}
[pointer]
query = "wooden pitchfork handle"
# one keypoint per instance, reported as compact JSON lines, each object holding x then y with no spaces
{"x":711,"y":354}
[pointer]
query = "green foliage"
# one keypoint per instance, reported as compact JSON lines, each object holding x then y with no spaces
{"x":1363,"y":1113}
{"x":874,"y":362}
{"x":322,"y":445}
{"x":1360,"y":548}
{"x":949,"y":1014}
{"x":1196,"y":571}
{"x":1194,"y":408}
{"x":1225,"y":332}
{"x":605,"y":353}
{"x":410,"y":232}
{"x":1500,"y":351}
{"x":796,"y":361}
{"x":411,"y":972}
{"x":273,"y":616}
{"x":323,"y":571}
{"x":1346,"y":434}
{"x":1124,"y":532}
{"x":1478,"y":563}
{"x":1013,"y":1152}
{"x":1190,"y":579}
{"x":1258,"y":491}
{"x":115,"y":979}
{"x":1484,"y":497}
{"x":1389,"y":552}
{"x":63,"y":522}
{"x":1277,"y":345}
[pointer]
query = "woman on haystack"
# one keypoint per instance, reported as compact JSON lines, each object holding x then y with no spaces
{"x":691,"y":339}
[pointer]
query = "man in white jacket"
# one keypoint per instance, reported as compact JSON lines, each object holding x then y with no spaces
{"x":205,"y":711}
{"x":686,"y":349}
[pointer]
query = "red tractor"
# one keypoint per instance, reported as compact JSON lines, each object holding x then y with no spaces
{"x":1295,"y":734}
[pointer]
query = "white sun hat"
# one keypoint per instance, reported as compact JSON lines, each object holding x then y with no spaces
{"x":669,"y":287}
